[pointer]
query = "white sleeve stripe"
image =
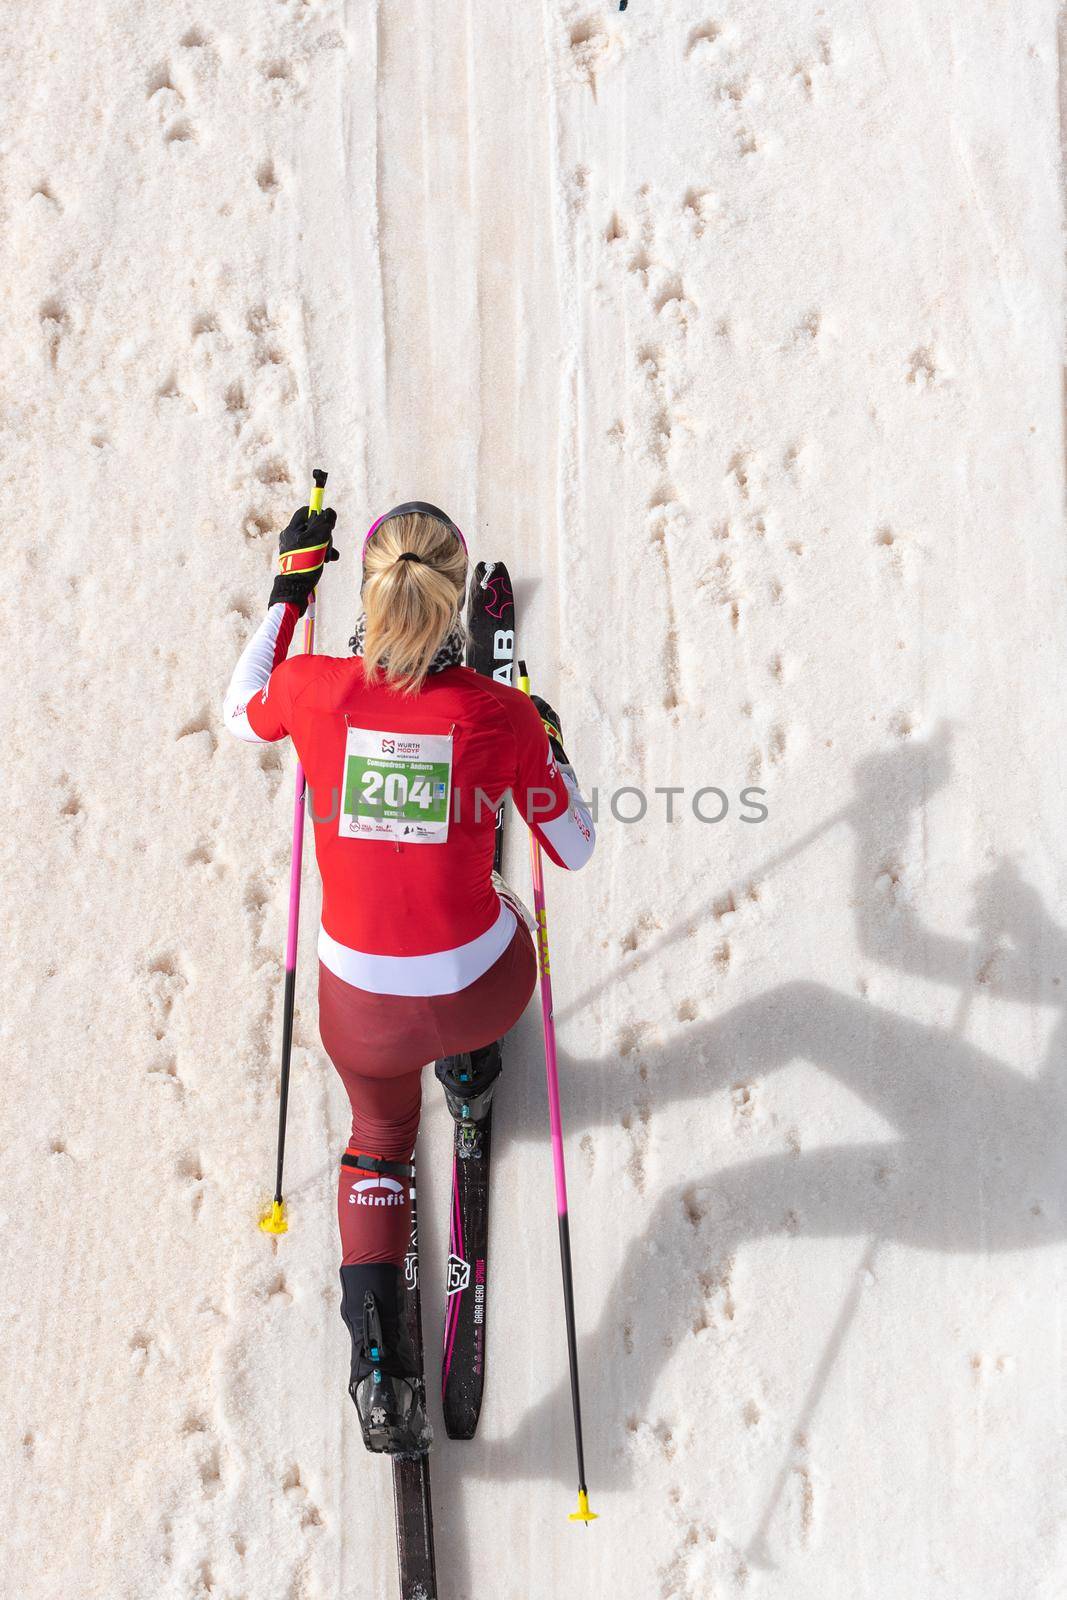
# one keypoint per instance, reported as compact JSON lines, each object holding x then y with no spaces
{"x":571,"y":834}
{"x":251,"y":675}
{"x":236,"y":718}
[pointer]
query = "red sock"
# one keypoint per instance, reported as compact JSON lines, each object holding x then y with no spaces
{"x":373,"y":1212}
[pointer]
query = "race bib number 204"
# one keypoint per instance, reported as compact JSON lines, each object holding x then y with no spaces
{"x":396,"y":786}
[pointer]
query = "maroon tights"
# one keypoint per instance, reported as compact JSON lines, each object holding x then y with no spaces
{"x":379,"y":1044}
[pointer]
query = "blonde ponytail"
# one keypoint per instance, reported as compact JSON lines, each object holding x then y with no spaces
{"x":410,"y":606}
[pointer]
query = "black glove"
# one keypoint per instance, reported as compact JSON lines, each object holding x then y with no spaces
{"x":552,"y":727}
{"x":304,"y":548}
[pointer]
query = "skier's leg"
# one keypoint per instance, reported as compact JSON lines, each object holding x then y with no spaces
{"x":374,"y":1208}
{"x":377,"y":1045}
{"x":374,"y":1216}
{"x":472,"y":1023}
{"x":385,"y":1381}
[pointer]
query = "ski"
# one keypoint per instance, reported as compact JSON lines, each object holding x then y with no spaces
{"x":491,"y":650}
{"x":411,"y":1476}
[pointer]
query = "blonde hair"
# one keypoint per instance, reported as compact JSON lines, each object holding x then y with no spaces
{"x":411,"y":606}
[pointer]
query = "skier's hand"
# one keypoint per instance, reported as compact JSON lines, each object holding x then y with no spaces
{"x":553,"y":727}
{"x":304,"y":548}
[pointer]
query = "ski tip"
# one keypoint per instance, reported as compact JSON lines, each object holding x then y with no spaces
{"x":583,"y":1513}
{"x":275,"y":1219}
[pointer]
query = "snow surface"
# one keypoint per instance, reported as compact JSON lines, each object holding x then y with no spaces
{"x":736,"y":329}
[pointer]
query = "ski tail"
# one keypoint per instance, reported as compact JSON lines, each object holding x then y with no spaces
{"x":411,"y":1476}
{"x":457,"y":1278}
{"x":463,"y":1358}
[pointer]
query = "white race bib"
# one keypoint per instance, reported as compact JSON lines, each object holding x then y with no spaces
{"x":396,"y":786}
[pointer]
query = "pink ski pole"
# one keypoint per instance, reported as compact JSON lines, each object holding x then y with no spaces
{"x":555,"y":1120}
{"x":274,"y":1220}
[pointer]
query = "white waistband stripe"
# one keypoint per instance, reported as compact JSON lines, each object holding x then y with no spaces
{"x":440,"y":972}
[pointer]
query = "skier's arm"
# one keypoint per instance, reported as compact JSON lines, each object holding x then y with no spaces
{"x":547,"y":792}
{"x":250,"y":710}
{"x":248,"y":691}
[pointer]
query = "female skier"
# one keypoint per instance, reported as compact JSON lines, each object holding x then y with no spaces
{"x":423,"y":954}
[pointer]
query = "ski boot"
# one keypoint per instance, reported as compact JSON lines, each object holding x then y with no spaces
{"x":386,"y":1385}
{"x":469,"y":1082}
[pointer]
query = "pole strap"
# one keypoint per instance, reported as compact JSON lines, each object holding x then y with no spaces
{"x":393,"y":1169}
